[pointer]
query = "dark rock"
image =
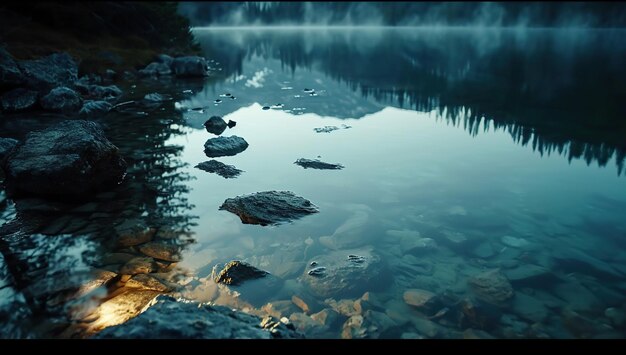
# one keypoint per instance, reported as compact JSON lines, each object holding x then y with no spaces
{"x":269,"y":207}
{"x":477,"y":314}
{"x":236,"y":272}
{"x":10,"y":73}
{"x":138,"y":265}
{"x":265,"y":108}
{"x":62,"y":99}
{"x":156,"y":97}
{"x":215,"y":125}
{"x":43,"y":74}
{"x":345,"y":277}
{"x":492,"y":287}
{"x":224,"y":146}
{"x":110,"y":74}
{"x":133,"y":232}
{"x":165,"y":59}
{"x":530,"y":275}
{"x":161,"y":251}
{"x":155,"y":69}
{"x":171,"y":319}
{"x":107,"y":93}
{"x":221,"y":169}
{"x":189,"y":67}
{"x":18,"y":100}
{"x":318,"y":271}
{"x":6,"y":146}
{"x":317,"y":164}
{"x":71,"y":158}
{"x":93,"y":108}
{"x":231,"y":123}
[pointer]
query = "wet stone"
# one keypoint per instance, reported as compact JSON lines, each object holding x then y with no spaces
{"x":138,"y":265}
{"x":224,"y":146}
{"x":492,"y":287}
{"x":215,"y":125}
{"x":219,"y":168}
{"x":418,"y":298}
{"x":317,"y":164}
{"x":231,"y":124}
{"x":236,"y":272}
{"x":62,"y":99}
{"x":18,"y":100}
{"x":147,"y":282}
{"x":6,"y":146}
{"x":133,"y":232}
{"x":161,"y":251}
{"x":269,"y":207}
{"x":93,"y":108}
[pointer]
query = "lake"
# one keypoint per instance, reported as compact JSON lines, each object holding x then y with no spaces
{"x":483,"y":184}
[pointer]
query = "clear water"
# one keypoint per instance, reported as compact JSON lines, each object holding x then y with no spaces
{"x":461,"y":136}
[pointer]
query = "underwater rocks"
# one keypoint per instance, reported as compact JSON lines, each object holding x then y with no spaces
{"x":18,"y":100}
{"x":269,"y":207}
{"x":221,"y":169}
{"x":224,"y":146}
{"x":317,"y":164}
{"x":43,"y":74}
{"x":346,"y":273}
{"x":172,"y":319}
{"x":161,"y":251}
{"x":215,"y":125}
{"x":190,"y":66}
{"x":236,"y":272}
{"x":6,"y":146}
{"x":492,"y":287}
{"x":67,"y":159}
{"x":62,"y":99}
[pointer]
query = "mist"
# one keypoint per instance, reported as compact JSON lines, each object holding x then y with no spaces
{"x":423,"y":14}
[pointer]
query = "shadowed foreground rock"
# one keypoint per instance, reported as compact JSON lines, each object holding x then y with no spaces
{"x":224,"y":146}
{"x":219,"y":168}
{"x":317,"y":164}
{"x":68,"y":159}
{"x":269,"y":207}
{"x":170,"y":319}
{"x":43,"y":74}
{"x":236,"y":272}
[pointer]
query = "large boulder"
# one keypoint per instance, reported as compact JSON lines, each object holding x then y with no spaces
{"x":171,"y":319}
{"x":10,"y":73}
{"x":68,"y":159}
{"x":190,"y":67}
{"x":346,"y":273}
{"x":62,"y":99}
{"x":269,"y":207}
{"x":19,"y":99}
{"x":224,"y":146}
{"x":43,"y":74}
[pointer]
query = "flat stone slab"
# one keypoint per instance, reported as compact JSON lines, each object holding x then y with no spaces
{"x":269,"y":207}
{"x":219,"y":168}
{"x":317,"y":164}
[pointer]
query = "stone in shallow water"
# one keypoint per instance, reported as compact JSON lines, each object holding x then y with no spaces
{"x":133,"y":232}
{"x":190,"y":66}
{"x":18,"y":100}
{"x":147,"y":282}
{"x":224,"y":146}
{"x":215,"y":125}
{"x":62,"y":99}
{"x":346,"y":277}
{"x":317,"y":164}
{"x":71,"y":158}
{"x":529,"y":275}
{"x":269,"y":207}
{"x":484,"y":250}
{"x":492,"y":287}
{"x":161,"y":251}
{"x":138,"y":265}
{"x":58,"y":69}
{"x":418,"y":298}
{"x":573,"y":260}
{"x":529,"y":308}
{"x":219,"y":168}
{"x":236,"y":272}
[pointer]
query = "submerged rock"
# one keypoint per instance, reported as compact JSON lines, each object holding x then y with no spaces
{"x":189,"y":66}
{"x":161,"y":251}
{"x":236,"y":272}
{"x":43,"y":74}
{"x":346,"y":277}
{"x":6,"y":146}
{"x":224,"y":146}
{"x":147,"y":282}
{"x":93,"y":108}
{"x":492,"y":287}
{"x":215,"y":125}
{"x":219,"y":168}
{"x":71,"y":158}
{"x":269,"y":207}
{"x":18,"y":100}
{"x":62,"y":99}
{"x":138,"y":265}
{"x":529,"y":275}
{"x":172,"y":319}
{"x":317,"y":164}
{"x":418,"y":298}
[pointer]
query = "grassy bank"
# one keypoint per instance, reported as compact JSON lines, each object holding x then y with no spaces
{"x":101,"y":35}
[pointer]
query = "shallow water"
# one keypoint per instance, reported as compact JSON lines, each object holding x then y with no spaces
{"x":504,"y":147}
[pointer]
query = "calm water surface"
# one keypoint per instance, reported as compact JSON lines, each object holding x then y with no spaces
{"x":465,"y":151}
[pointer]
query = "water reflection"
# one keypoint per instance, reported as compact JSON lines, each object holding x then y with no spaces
{"x":559,"y":90}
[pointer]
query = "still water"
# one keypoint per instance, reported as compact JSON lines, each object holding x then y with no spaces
{"x":465,"y":151}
